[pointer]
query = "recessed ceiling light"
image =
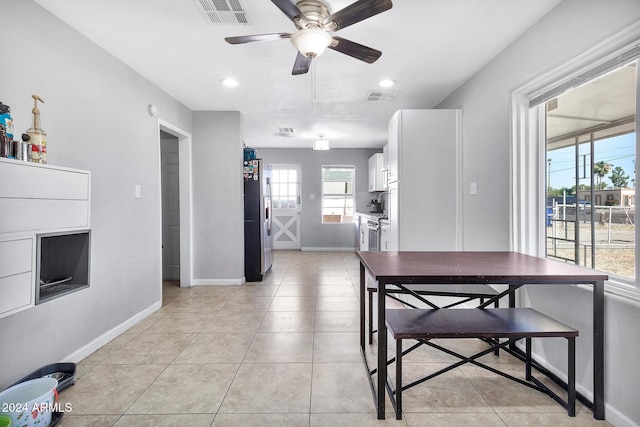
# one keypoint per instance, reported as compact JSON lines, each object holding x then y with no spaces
{"x":387,"y":83}
{"x":230,"y":82}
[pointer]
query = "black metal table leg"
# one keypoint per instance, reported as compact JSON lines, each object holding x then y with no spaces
{"x":362,"y":296}
{"x":598,"y":350}
{"x":398,"y":379}
{"x":382,"y":348}
{"x":571,"y":376}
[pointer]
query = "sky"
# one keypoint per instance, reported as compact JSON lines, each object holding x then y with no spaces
{"x":619,"y":151}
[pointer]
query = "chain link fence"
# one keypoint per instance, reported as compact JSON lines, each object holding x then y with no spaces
{"x":609,"y":246}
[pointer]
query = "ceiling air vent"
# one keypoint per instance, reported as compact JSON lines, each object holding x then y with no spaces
{"x":285,"y":132}
{"x":381,"y":95}
{"x":223,"y":11}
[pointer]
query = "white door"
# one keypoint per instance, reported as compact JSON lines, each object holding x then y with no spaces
{"x":286,"y":207}
{"x":170,"y":208}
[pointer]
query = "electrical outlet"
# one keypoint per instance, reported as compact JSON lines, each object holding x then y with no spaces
{"x":312,"y":196}
{"x":473,"y":188}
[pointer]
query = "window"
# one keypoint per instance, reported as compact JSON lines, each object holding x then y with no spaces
{"x":337,"y":193}
{"x":534,"y":197}
{"x":591,"y":147}
{"x":286,"y":183}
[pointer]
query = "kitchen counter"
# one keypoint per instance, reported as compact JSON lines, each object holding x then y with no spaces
{"x":377,"y":215}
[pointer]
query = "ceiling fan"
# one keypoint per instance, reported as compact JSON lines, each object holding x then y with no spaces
{"x":314,"y":23}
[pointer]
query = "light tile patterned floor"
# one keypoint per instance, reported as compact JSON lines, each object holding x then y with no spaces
{"x":283,"y":352}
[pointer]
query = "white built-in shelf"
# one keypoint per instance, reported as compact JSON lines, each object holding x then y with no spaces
{"x":35,"y":199}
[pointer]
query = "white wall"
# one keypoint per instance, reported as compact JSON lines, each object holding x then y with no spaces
{"x":569,"y":29}
{"x":218,"y":203}
{"x":316,"y":235}
{"x":95,"y":115}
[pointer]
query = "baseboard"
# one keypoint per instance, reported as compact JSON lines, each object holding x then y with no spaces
{"x":211,"y":282}
{"x":312,"y":249}
{"x":612,"y":415}
{"x":617,"y":418}
{"x":108,"y":336}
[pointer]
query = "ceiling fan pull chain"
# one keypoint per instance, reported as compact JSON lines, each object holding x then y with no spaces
{"x":314,"y":92}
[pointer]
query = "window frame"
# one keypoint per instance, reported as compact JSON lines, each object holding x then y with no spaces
{"x":322,"y":193}
{"x":528,"y":146}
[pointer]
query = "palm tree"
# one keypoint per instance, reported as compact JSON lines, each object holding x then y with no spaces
{"x":601,"y":169}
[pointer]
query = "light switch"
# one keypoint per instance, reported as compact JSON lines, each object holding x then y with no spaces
{"x":312,"y":196}
{"x":137,"y":191}
{"x":473,"y":188}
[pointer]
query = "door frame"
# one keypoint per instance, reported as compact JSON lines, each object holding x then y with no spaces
{"x":186,"y":199}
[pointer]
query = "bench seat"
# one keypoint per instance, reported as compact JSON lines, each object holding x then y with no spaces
{"x":465,"y":292}
{"x":512,"y":324}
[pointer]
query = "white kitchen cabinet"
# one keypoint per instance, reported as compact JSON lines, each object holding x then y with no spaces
{"x":385,"y":164}
{"x":43,"y":197}
{"x":377,"y":181}
{"x":16,"y":274}
{"x":384,"y":236}
{"x":424,"y":191}
{"x":37,"y":199}
{"x":364,"y":233}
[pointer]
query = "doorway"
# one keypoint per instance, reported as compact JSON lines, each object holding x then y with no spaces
{"x":176,"y":190}
{"x":170,"y":168}
{"x":286,"y":207}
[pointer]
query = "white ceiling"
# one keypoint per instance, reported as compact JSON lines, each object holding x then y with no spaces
{"x":430,"y":47}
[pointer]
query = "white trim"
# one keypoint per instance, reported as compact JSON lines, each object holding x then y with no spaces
{"x":313,"y":249}
{"x":459,"y":232}
{"x":186,"y":200}
{"x":617,"y":418}
{"x":112,"y":334}
{"x":213,"y":282}
{"x":593,"y":56}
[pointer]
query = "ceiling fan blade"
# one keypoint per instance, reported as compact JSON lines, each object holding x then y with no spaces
{"x":355,"y":50}
{"x":356,"y":12}
{"x":257,"y":38}
{"x":292,"y":11}
{"x":302,"y":64}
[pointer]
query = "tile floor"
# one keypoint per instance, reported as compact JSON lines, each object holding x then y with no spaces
{"x":283,"y":352}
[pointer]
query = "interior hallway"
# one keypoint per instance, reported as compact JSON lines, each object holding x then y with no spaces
{"x":283,"y":352}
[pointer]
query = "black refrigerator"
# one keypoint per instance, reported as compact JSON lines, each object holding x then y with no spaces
{"x":258,"y":235}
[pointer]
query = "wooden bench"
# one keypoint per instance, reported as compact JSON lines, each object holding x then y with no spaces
{"x":466,"y":293}
{"x":511,"y":324}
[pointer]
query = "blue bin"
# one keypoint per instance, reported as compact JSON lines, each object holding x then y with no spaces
{"x":549,"y":216}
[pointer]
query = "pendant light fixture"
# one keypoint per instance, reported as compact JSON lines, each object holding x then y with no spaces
{"x":321,"y":144}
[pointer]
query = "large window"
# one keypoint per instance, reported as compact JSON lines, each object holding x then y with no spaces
{"x":590,"y":152}
{"x":337,"y":193}
{"x":573,"y":156}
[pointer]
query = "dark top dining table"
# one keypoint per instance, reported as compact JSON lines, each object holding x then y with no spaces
{"x":475,"y":267}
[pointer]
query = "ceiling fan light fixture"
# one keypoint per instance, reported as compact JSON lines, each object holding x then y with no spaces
{"x":311,"y":42}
